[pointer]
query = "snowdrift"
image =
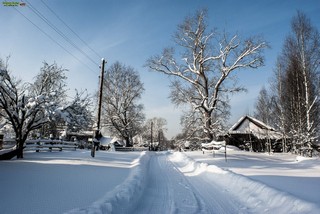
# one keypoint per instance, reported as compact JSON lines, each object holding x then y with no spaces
{"x":259,"y":197}
{"x":127,"y":192}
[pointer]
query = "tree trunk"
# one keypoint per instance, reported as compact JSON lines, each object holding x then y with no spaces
{"x":208,"y":123}
{"x":20,"y":148}
{"x":128,"y":143}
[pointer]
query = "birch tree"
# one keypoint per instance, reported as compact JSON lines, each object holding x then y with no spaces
{"x":297,"y":84}
{"x":305,"y":44}
{"x":278,"y":112}
{"x":263,"y":106}
{"x":302,"y":53}
{"x":204,"y":68}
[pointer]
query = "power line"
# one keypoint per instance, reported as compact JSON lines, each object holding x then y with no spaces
{"x":51,"y":25}
{"x":52,"y":39}
{"x":84,"y":42}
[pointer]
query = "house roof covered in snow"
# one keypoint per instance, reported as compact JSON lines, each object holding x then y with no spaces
{"x":250,"y":125}
{"x":110,"y":140}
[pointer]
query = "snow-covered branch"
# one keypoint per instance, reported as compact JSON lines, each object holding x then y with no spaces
{"x":23,"y":108}
{"x":201,"y":78}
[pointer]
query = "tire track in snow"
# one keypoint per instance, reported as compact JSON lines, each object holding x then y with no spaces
{"x":167,"y":190}
{"x":213,"y":198}
{"x":184,"y":203}
{"x":155,"y":196}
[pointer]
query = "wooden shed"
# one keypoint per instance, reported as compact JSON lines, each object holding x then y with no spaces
{"x":254,"y":135}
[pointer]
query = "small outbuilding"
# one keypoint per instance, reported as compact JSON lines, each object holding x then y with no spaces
{"x":253,"y":135}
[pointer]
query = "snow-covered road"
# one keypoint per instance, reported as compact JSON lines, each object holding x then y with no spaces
{"x":177,"y":184}
{"x":155,"y":182}
{"x":167,"y":190}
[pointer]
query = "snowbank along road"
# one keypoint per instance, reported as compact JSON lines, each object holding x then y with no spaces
{"x":135,"y":182}
{"x":177,"y":184}
{"x":173,"y":183}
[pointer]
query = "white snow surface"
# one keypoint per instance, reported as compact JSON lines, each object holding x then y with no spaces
{"x":159,"y":182}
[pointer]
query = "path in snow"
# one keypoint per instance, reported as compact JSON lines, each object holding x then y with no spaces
{"x":167,"y":190}
{"x":145,"y":182}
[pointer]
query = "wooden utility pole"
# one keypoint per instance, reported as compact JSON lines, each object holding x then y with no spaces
{"x":97,"y":132}
{"x":159,"y":139}
{"x":151,"y":144}
{"x":100,"y":94}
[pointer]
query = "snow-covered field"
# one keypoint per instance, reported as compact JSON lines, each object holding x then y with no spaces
{"x":163,"y":182}
{"x":289,"y":173}
{"x":56,"y":182}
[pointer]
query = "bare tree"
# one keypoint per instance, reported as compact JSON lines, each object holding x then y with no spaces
{"x":278,"y":98}
{"x":263,"y":106}
{"x":192,"y":123}
{"x":51,"y":81}
{"x":21,"y":108}
{"x":78,"y":113}
{"x":155,"y":127}
{"x":278,"y":101}
{"x":297,"y":84}
{"x":306,"y":42}
{"x":204,"y":74}
{"x":123,"y":89}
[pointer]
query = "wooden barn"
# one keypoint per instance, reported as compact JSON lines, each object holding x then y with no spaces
{"x":253,"y":135}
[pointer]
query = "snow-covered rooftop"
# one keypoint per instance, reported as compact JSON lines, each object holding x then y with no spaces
{"x":247,"y":125}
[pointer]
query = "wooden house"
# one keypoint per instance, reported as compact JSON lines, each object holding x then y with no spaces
{"x":253,"y":135}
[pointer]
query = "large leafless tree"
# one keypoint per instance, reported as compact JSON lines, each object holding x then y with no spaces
{"x":122,"y":91}
{"x":204,"y":66}
{"x":23,"y":107}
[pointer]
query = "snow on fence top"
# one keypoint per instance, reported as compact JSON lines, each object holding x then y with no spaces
{"x":213,"y":144}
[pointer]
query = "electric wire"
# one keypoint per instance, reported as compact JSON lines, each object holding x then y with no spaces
{"x":58,"y":17}
{"x":51,"y":25}
{"x":52,"y":39}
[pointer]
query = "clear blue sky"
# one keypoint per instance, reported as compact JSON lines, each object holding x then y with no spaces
{"x":130,"y":31}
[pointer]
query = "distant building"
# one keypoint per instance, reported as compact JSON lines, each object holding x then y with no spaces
{"x":253,"y":135}
{"x":79,"y":136}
